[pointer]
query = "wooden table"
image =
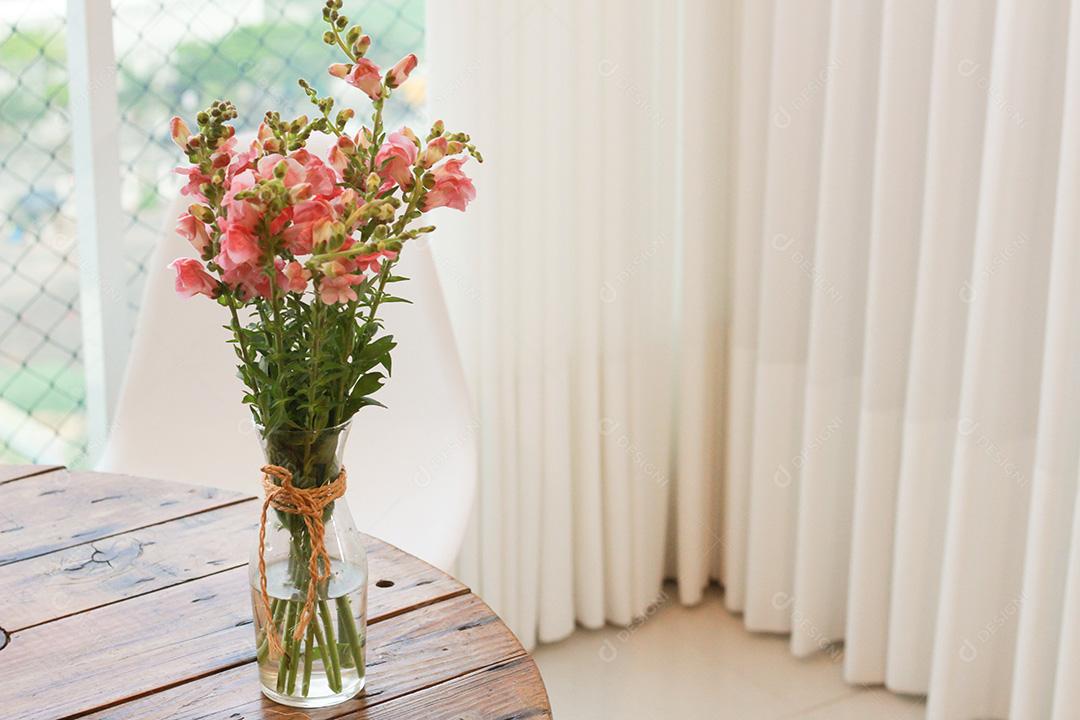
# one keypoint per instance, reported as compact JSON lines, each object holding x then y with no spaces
{"x":123,"y":597}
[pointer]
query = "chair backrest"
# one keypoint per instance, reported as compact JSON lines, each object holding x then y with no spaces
{"x":412,"y":467}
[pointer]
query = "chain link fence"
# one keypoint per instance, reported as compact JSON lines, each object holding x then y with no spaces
{"x":171,"y":58}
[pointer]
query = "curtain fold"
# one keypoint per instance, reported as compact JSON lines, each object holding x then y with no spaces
{"x":896,"y":219}
{"x":780,"y":295}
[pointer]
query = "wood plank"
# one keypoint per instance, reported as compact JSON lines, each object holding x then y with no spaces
{"x":94,"y":658}
{"x":407,"y":653}
{"x":172,"y":636}
{"x":135,"y":563}
{"x":11,"y":473}
{"x":58,"y":510}
{"x":510,"y":689}
{"x":399,"y":582}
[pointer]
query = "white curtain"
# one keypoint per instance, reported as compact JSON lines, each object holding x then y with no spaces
{"x":782,"y":294}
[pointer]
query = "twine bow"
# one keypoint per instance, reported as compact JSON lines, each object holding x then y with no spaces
{"x":309,"y":503}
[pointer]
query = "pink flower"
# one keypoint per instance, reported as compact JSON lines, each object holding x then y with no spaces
{"x":400,"y":72}
{"x":311,"y":225}
{"x":338,"y":288}
{"x":436,"y":151}
{"x":452,"y":187}
{"x":241,"y":162}
{"x":372,"y":262}
{"x":339,"y":156}
{"x":180,"y":133}
{"x":244,"y":213}
{"x":192,"y":278}
{"x":194,"y":231}
{"x":196,"y":178}
{"x":224,"y":152}
{"x":321,"y":176}
{"x":365,"y":75}
{"x":279,"y":222}
{"x":238,"y":245}
{"x":399,"y":153}
{"x":249,"y":279}
{"x":294,"y":277}
{"x":294,"y":171}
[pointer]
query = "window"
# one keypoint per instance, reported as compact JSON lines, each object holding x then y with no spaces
{"x":169,"y":58}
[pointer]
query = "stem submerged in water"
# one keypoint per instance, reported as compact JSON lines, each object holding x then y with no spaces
{"x":349,"y":628}
{"x":291,"y":612}
{"x":308,"y":651}
{"x":330,"y":649}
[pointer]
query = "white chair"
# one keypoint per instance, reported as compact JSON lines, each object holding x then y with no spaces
{"x":412,"y":467}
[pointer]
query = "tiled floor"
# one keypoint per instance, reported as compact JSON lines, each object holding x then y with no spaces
{"x":700,"y":663}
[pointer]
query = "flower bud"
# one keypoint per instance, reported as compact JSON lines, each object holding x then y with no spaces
{"x":339,"y":70}
{"x":407,"y":132}
{"x":280,"y":170}
{"x":378,"y":210}
{"x":300,"y":192}
{"x":401,"y":71}
{"x":321,"y":233}
{"x":332,"y":268}
{"x":354,"y":217}
{"x":180,"y":133}
{"x":454,"y":147}
{"x":201,"y":213}
{"x":346,"y":145}
{"x":436,"y":151}
{"x":438,"y":128}
{"x":373,"y":182}
{"x":360,"y":47}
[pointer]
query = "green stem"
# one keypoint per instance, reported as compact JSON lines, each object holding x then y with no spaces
{"x":347,"y":348}
{"x":313,"y":375}
{"x":341,"y":43}
{"x":286,"y":635}
{"x":245,"y":355}
{"x":308,"y":648}
{"x":331,"y":642}
{"x":294,"y":657}
{"x":277,"y":609}
{"x":332,"y":675}
{"x":345,"y":612}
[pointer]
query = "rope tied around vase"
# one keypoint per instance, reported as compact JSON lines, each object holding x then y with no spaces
{"x":308,"y":503}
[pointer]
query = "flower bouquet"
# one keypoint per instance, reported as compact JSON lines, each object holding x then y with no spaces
{"x":300,"y":250}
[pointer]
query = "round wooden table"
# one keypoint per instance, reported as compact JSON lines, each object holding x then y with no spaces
{"x":128,"y":598}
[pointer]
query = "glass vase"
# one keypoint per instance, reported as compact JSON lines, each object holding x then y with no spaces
{"x":325,"y":665}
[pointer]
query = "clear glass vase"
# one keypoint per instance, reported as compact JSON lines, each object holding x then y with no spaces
{"x":325,"y":666}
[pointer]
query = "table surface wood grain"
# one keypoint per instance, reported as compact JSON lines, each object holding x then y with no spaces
{"x":122,"y":597}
